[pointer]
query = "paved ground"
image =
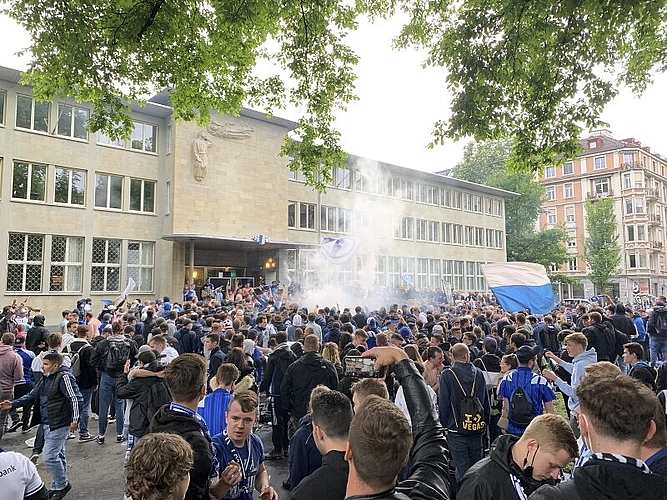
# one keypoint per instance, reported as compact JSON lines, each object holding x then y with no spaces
{"x":96,"y":471}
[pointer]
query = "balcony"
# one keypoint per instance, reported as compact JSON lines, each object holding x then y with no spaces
{"x":632,"y":166}
{"x":656,"y":245}
{"x":652,"y":193}
{"x":653,"y":219}
{"x":604,"y":194}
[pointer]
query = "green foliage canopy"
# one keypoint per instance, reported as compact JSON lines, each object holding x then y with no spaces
{"x":601,"y":249}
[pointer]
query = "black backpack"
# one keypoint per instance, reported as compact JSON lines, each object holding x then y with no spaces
{"x":470,"y":415}
{"x":521,"y":411}
{"x":117,"y":355}
{"x":549,"y":338}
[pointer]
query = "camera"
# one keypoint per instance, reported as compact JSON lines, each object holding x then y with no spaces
{"x":358,"y":367}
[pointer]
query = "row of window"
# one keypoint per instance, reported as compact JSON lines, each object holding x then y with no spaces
{"x":29,"y":182}
{"x":72,"y":121}
{"x":30,"y":256}
{"x":412,"y":191}
{"x":388,"y":271}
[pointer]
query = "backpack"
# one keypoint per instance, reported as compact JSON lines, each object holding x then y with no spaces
{"x":549,"y":338}
{"x":117,"y":355}
{"x":521,"y":411}
{"x":491,"y":379}
{"x":158,"y":396}
{"x":470,"y":416}
{"x":75,"y":360}
{"x":660,"y":325}
{"x":620,"y":339}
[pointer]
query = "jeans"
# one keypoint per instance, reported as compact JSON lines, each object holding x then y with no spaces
{"x":54,"y":456}
{"x":107,"y":397}
{"x":658,"y":348}
{"x":85,"y":411}
{"x":466,"y":451}
{"x":22,"y":390}
{"x":279,"y":426}
{"x":4,"y":396}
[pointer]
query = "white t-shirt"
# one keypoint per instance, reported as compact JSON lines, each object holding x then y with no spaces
{"x":18,"y":476}
{"x":169,"y":354}
{"x":403,"y":406}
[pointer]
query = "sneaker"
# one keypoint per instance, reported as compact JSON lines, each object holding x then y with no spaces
{"x":14,"y":426}
{"x":112,"y":420}
{"x":71,"y":436}
{"x":274,"y":455}
{"x":84,"y":438}
{"x":30,"y":442}
{"x":94,"y":416}
{"x":59,"y":494}
{"x":120,"y":439}
{"x":34,"y":458}
{"x":100,"y":439}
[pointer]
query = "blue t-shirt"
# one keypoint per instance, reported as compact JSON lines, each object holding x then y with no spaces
{"x":250,"y":457}
{"x":536,"y":386}
{"x":214,"y":409}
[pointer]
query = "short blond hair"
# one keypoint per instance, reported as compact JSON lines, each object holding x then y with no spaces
{"x":553,"y":432}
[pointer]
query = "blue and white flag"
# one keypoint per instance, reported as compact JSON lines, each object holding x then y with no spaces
{"x":339,"y":250}
{"x":595,"y":298}
{"x":520,"y":285}
{"x":407,"y":277}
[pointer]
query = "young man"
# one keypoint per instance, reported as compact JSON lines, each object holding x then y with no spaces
{"x":86,"y":379}
{"x":186,"y":379}
{"x":433,"y":367}
{"x":215,"y":358}
{"x":380,"y":440}
{"x":517,"y":466}
{"x":534,"y":387}
{"x":58,"y":397}
{"x":213,"y":407}
{"x":633,"y":356}
{"x":615,"y":434}
{"x":23,"y":480}
{"x":11,"y":371}
{"x":240,"y":453}
{"x":332,"y":414}
{"x":167,"y":353}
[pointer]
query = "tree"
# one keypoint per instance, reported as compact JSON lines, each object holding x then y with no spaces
{"x":536,"y":72}
{"x":601,"y":249}
{"x":486,"y":163}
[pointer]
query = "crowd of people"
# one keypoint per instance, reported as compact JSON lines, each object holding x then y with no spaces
{"x":411,"y":401}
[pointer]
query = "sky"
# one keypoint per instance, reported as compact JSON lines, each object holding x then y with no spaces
{"x":399,"y":101}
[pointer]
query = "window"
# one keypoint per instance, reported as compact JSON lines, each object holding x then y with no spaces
{"x":102,"y":138}
{"x":551,"y":217}
{"x":639,"y":205}
{"x":446,"y":232}
{"x":306,"y":216}
{"x":632,"y":260}
{"x":362,"y":183}
{"x":70,"y":186}
{"x":421,"y":230}
{"x":628,"y":158}
{"x":380,"y":269}
{"x":291,"y":214}
{"x":572,"y":243}
{"x":631,"y":233}
{"x":73,"y":121}
{"x":422,"y":274}
{"x":434,"y":274}
{"x":467,"y":202}
{"x":32,"y":115}
{"x":550,"y":172}
{"x":572,"y":264}
{"x":500,"y":239}
{"x":592,"y":144}
{"x":140,"y":264}
{"x":458,"y":275}
{"x":490,"y":238}
{"x":470,"y":275}
{"x":394,"y":272}
{"x":24,"y":262}
{"x":29,"y":181}
{"x":327,"y":218}
{"x":105,"y":270}
{"x":600,"y":162}
{"x":142,"y":195}
{"x":108,"y":191}
{"x":627,"y":181}
{"x":550,"y":193}
{"x":447,"y":273}
{"x":432,"y":195}
{"x":144,"y":137}
{"x":569,"y":214}
{"x":568,"y":190}
{"x":406,"y":228}
{"x":433,"y":232}
{"x":554,"y":268}
{"x":601,"y":186}
{"x":641,"y":233}
{"x":167,"y":201}
{"x":488,"y":204}
{"x":477,"y":204}
{"x":66,"y":264}
{"x":402,"y":189}
{"x":568,"y":168}
{"x":3,"y":99}
{"x":479,"y":237}
{"x":498,"y":208}
{"x":344,"y":220}
{"x":457,"y":234}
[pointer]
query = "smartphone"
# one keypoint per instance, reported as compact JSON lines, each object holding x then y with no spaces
{"x":358,"y":367}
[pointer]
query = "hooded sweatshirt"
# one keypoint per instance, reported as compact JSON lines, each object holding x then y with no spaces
{"x":11,"y":368}
{"x":301,"y":377}
{"x":576,"y":368}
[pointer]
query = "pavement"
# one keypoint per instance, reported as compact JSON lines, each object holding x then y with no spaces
{"x":96,"y":471}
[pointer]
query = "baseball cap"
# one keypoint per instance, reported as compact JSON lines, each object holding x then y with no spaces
{"x":490,"y":344}
{"x":437,"y":330}
{"x":525,"y":353}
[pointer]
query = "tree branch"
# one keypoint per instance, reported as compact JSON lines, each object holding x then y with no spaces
{"x":151,"y":18}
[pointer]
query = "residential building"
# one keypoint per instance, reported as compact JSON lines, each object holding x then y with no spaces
{"x":175,"y":203}
{"x":634,"y":177}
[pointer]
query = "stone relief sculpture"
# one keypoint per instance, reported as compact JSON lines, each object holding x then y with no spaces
{"x":200,"y":148}
{"x":230,"y":130}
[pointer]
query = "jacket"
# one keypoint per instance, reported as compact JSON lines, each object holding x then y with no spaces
{"x":301,"y":377}
{"x":35,"y":339}
{"x":11,"y":368}
{"x":576,"y":368}
{"x":304,"y":457}
{"x":216,"y":358}
{"x":488,"y":362}
{"x":645,"y":373}
{"x":99,"y":357}
{"x":489,"y":479}
{"x":623,"y":323}
{"x":58,"y":398}
{"x":429,"y":457}
{"x":602,"y":338}
{"x":603,"y":480}
{"x":276,"y":367}
{"x":186,"y":426}
{"x":146,"y":399}
{"x":450,"y":394}
{"x":652,"y":320}
{"x":88,"y":377}
{"x":329,"y":481}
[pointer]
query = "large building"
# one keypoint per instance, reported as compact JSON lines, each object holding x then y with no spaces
{"x":82,"y":213}
{"x":635,"y":178}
